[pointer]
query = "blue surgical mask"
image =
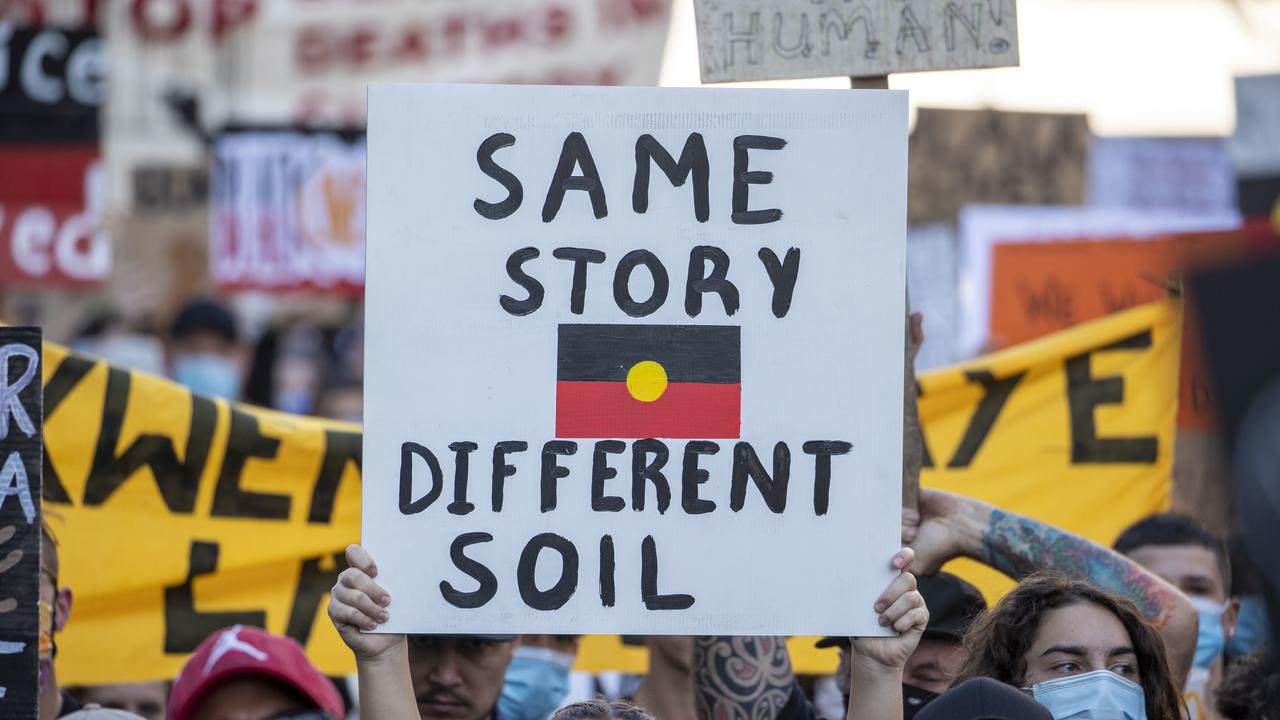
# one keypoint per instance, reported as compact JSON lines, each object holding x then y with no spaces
{"x":1211,"y":641}
{"x":1252,"y":627}
{"x":1097,"y":695}
{"x":537,"y":682}
{"x":208,"y":374}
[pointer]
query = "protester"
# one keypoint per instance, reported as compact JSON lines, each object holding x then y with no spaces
{"x":55,"y":611}
{"x":1247,"y":690}
{"x":1192,"y":559}
{"x":94,"y":711}
{"x":602,"y":710}
{"x":984,"y":699}
{"x":537,"y":680}
{"x":388,"y":678}
{"x":147,"y":699}
{"x":246,"y":673}
{"x":205,"y":350}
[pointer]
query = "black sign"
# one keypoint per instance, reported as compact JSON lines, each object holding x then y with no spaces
{"x":21,"y":421}
{"x":52,"y":82}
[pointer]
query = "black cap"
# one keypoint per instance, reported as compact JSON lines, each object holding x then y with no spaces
{"x":952,"y":604}
{"x":205,"y":316}
{"x":983,"y":699}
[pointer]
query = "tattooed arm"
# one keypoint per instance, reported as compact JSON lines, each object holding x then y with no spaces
{"x":955,"y":526}
{"x":741,"y":678}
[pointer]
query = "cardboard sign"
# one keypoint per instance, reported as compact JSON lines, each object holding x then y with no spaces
{"x":52,"y":86}
{"x":20,"y":461}
{"x":1255,"y":146}
{"x":961,"y":157}
{"x":775,"y":39}
{"x":628,"y":347}
{"x":1191,"y":175}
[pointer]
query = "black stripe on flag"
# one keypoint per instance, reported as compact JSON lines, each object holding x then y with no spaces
{"x":688,"y":353}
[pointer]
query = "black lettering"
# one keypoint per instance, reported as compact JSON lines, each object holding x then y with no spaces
{"x":476,"y":570}
{"x":575,"y":153}
{"x":607,"y":564}
{"x":643,"y":469}
{"x":508,"y":180}
{"x":409,"y":506}
{"x":601,"y":472}
{"x":744,"y":178}
{"x":700,"y":282}
{"x":66,"y":378}
{"x":552,"y":470}
{"x":461,"y":450}
{"x":340,"y":448}
{"x":502,"y":470}
{"x":521,"y":278}
{"x":229,"y":499}
{"x":315,"y":578}
{"x":783,"y":276}
{"x":559,"y":594}
{"x":184,"y":626}
{"x":693,"y":159}
{"x":822,"y":450}
{"x":693,"y":476}
{"x":580,"y":257}
{"x":649,"y":581}
{"x":747,"y":464}
{"x":1085,"y":393}
{"x":622,"y":283}
{"x":995,"y":394}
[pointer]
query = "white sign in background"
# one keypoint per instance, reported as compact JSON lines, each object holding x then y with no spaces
{"x":446,"y":363}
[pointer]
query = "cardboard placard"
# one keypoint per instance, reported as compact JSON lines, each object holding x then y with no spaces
{"x":596,"y":402}
{"x":21,"y":457}
{"x":776,"y":39}
{"x":1191,"y":175}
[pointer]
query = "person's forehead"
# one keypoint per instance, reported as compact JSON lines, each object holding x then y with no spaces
{"x":1085,"y":625}
{"x":1176,"y":562}
{"x":936,"y":650}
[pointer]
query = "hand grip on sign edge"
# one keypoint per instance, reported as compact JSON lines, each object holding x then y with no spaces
{"x":358,"y":605}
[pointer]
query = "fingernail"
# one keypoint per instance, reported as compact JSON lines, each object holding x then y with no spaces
{"x":884,"y":622}
{"x":373,"y":571}
{"x":384,"y":616}
{"x":879,"y":607}
{"x":910,"y":515}
{"x":898,"y":561}
{"x":384,"y":600}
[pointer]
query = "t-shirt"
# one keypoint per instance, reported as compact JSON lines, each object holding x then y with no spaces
{"x":69,"y":705}
{"x":798,"y":707}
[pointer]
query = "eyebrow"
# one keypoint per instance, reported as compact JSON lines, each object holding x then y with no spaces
{"x":1122,"y":651}
{"x":1065,"y":649}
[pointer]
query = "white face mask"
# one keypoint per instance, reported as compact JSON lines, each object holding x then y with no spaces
{"x":1097,"y":695}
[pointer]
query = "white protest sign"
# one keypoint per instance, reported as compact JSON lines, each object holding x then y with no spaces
{"x":634,"y":358}
{"x":776,"y":39}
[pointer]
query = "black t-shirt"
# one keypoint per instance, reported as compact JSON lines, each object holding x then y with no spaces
{"x":69,"y":705}
{"x":798,"y":707}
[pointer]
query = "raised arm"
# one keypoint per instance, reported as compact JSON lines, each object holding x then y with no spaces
{"x":667,"y":691}
{"x":741,"y":678}
{"x":954,"y":526}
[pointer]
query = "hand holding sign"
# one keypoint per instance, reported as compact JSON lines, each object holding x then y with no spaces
{"x":357,"y":604}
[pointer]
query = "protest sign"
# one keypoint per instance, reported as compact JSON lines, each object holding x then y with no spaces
{"x":21,"y":617}
{"x":648,"y":328}
{"x":1255,"y":146}
{"x":776,"y":39}
{"x":287,"y":211}
{"x":111,"y":432}
{"x":932,"y":291}
{"x":1191,"y":175}
{"x":961,"y":157}
{"x":52,"y":86}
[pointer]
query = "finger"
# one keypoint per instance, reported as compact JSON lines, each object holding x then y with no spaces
{"x":361,"y":602}
{"x":357,"y":580}
{"x":903,"y":558}
{"x":348,"y":615}
{"x":359,"y":558}
{"x":904,"y":604}
{"x":916,"y":619}
{"x":917,"y":328}
{"x":904,"y":583}
{"x":910,"y":525}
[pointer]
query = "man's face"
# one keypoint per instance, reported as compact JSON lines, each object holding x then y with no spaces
{"x":457,"y":678}
{"x":250,"y":699}
{"x":144,"y":699}
{"x":932,"y":667}
{"x":1190,"y":568}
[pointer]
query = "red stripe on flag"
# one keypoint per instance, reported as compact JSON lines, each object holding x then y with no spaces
{"x":685,"y":410}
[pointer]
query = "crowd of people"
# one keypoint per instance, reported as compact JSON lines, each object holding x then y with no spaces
{"x":1161,"y":626}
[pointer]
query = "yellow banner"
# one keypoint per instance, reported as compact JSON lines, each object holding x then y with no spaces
{"x":178,"y":514}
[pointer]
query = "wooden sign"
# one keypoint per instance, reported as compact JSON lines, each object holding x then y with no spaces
{"x":20,"y":466}
{"x":626,"y":348}
{"x":777,"y":39}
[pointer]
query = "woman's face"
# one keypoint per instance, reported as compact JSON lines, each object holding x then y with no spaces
{"x":1078,"y":639}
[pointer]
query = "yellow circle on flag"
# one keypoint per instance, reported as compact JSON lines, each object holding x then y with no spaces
{"x":646,"y":381}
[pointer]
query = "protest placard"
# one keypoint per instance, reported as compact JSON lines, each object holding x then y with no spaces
{"x":605,"y":387}
{"x":1191,"y":175}
{"x":775,"y":39}
{"x":1255,"y":146}
{"x":21,"y":621}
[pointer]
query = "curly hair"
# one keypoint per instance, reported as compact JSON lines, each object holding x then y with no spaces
{"x":1250,"y":689}
{"x":998,"y":642}
{"x":601,"y":709}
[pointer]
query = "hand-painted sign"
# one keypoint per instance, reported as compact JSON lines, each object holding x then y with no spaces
{"x":627,"y":346}
{"x":21,"y":422}
{"x":774,"y":39}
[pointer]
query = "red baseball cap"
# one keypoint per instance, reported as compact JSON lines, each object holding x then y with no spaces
{"x":240,"y":651}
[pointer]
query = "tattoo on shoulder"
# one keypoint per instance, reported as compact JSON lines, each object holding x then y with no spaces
{"x":741,"y":678}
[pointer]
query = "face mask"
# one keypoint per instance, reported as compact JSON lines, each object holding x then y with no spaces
{"x":913,"y":699}
{"x":1252,"y":627}
{"x":206,"y":374}
{"x":537,"y":681}
{"x":1211,"y":641}
{"x":1097,"y":695}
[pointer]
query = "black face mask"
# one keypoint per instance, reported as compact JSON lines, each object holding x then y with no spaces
{"x":913,"y":698}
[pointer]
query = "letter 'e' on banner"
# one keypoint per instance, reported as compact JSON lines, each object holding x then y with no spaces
{"x":634,"y":358}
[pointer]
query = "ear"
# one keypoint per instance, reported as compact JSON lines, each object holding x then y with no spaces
{"x":63,"y":603}
{"x":1230,"y":616}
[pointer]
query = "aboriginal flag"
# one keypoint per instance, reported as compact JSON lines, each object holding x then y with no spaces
{"x":642,"y":381}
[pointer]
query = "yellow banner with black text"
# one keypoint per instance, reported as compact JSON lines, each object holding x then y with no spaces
{"x":179,"y":514}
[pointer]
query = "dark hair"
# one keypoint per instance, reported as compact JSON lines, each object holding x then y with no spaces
{"x":998,"y":641}
{"x":205,"y":316}
{"x":1173,"y":529}
{"x":601,"y":709}
{"x":1250,"y":688}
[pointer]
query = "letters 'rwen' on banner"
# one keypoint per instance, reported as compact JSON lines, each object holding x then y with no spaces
{"x":777,"y":39}
{"x":20,"y":459}
{"x":110,"y":433}
{"x":621,"y":357}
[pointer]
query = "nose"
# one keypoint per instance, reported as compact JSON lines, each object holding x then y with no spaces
{"x":446,"y":670}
